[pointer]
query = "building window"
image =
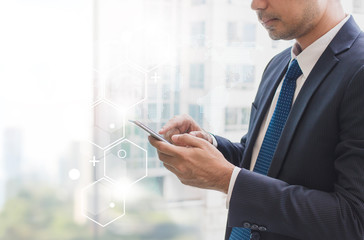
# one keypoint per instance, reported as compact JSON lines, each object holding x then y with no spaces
{"x":245,"y":4}
{"x":236,"y":119}
{"x":249,"y":33}
{"x":197,"y":74}
{"x":152,"y":153}
{"x":166,"y":112}
{"x":152,"y":91}
{"x":198,"y":34}
{"x":232,"y":33}
{"x":358,"y":6}
{"x":237,"y":33}
{"x":231,"y":116}
{"x":196,"y":112}
{"x":240,"y":76}
{"x":245,"y":116}
{"x":166,"y":92}
{"x":176,"y":102}
{"x":197,"y":2}
{"x":152,"y":111}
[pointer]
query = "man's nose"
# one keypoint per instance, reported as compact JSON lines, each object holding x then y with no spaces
{"x":259,"y":4}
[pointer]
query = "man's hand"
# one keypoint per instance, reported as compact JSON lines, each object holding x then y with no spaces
{"x":195,"y":162}
{"x":183,"y":124}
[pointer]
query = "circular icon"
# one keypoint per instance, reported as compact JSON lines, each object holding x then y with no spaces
{"x":112,"y":125}
{"x":74,"y":174}
{"x":112,"y":205}
{"x":122,"y":154}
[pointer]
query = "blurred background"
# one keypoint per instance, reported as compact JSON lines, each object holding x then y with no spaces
{"x":73,"y":72}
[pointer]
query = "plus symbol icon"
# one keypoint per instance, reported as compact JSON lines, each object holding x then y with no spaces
{"x":156,"y":77}
{"x":94,"y":161}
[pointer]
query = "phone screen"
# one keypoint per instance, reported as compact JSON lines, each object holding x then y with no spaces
{"x":148,"y":130}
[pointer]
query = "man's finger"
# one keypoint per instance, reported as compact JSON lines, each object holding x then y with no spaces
{"x":167,"y":159}
{"x":184,"y":123}
{"x":174,"y":123}
{"x":168,"y":149}
{"x":188,"y":140}
{"x":168,"y":135}
{"x":202,"y":134}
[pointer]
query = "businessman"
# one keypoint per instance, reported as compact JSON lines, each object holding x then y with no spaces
{"x":298,"y":173}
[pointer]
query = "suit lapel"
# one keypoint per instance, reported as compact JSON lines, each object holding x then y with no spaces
{"x":342,"y":41}
{"x":316,"y":77}
{"x":273,"y":78}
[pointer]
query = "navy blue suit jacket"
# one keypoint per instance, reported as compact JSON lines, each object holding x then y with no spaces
{"x":315,"y":184}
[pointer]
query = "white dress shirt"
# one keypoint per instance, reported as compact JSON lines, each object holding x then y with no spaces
{"x":306,"y":59}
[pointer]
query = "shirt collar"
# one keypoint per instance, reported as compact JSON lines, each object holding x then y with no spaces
{"x":308,"y":58}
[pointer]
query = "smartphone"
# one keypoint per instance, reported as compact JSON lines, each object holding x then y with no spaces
{"x":150,"y":131}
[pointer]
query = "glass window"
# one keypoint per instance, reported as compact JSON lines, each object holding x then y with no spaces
{"x":232,"y":33}
{"x":166,"y":112}
{"x":245,"y":115}
{"x":198,"y":34}
{"x":198,"y":2}
{"x":241,"y":33}
{"x":236,"y":118}
{"x":152,"y":111}
{"x":240,"y":76}
{"x":358,"y":6}
{"x":152,"y":91}
{"x":166,"y":89}
{"x":231,"y":116}
{"x":176,"y":108}
{"x":197,"y":75}
{"x":249,"y":33}
{"x":196,"y":112}
{"x":152,"y":153}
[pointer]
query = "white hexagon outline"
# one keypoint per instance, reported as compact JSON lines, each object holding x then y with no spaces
{"x":135,"y":67}
{"x":83,"y":203}
{"x":102,"y":82}
{"x":146,"y":161}
{"x":123,"y":123}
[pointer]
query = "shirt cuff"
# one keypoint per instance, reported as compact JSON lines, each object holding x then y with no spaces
{"x":214,"y":142}
{"x":233,"y":177}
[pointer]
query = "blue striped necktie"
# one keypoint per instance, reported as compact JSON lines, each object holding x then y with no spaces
{"x":273,"y":133}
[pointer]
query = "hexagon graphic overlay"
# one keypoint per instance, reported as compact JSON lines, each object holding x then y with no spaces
{"x":125,"y":163}
{"x":126,"y":86}
{"x":108,"y":126}
{"x":102,"y":202}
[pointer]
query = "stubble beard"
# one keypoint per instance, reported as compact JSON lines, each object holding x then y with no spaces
{"x":297,"y":28}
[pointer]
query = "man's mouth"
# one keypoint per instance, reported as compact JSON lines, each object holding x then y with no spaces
{"x":266,"y":19}
{"x":267,"y":22}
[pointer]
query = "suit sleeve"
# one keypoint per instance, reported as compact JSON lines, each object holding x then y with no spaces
{"x":303,"y":213}
{"x":233,"y":152}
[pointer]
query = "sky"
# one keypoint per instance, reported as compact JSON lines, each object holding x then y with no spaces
{"x":45,"y":74}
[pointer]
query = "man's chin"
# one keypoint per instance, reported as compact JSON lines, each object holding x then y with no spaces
{"x":274,"y":35}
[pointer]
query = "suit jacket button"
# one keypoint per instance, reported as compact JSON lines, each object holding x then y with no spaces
{"x":254,"y":236}
{"x":261,"y":228}
{"x":246,"y":225}
{"x":254,"y":227}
